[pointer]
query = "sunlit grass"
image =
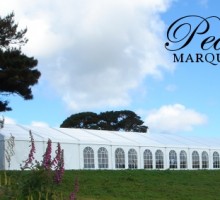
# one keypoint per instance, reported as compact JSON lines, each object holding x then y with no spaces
{"x":144,"y":185}
{"x":141,"y":184}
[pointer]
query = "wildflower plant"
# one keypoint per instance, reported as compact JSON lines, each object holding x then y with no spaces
{"x":41,"y":179}
{"x":58,"y":162}
{"x":47,"y":163}
{"x":45,"y":174}
{"x":9,"y":150}
{"x":29,"y":162}
{"x":76,"y":189}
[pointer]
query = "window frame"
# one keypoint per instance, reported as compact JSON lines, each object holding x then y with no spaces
{"x":195,"y":160}
{"x":183,"y":159}
{"x":132,"y":159}
{"x":119,"y":158}
{"x":88,"y":158}
{"x":173,"y":159}
{"x":148,"y":159}
{"x":159,"y":159}
{"x":216,"y":160}
{"x":102,"y":158}
{"x":205,"y":160}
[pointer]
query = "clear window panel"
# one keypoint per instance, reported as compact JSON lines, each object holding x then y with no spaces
{"x":159,"y":159}
{"x":183,"y":160}
{"x":195,"y":160}
{"x":148,"y":159}
{"x":119,"y":158}
{"x":205,"y":160}
{"x":132,"y":159}
{"x":173,"y":159}
{"x":88,"y":157}
{"x":216,"y":163}
{"x":103,"y":158}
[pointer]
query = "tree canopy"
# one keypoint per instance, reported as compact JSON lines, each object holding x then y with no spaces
{"x":17,"y":71}
{"x":124,"y":120}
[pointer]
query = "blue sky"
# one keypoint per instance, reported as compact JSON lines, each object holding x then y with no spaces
{"x":109,"y":55}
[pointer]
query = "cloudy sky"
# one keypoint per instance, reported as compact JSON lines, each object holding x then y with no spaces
{"x":109,"y":55}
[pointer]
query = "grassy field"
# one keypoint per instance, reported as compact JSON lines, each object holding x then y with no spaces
{"x":147,"y":185}
{"x":143,"y":185}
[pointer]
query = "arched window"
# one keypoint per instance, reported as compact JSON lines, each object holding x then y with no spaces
{"x":183,"y":160}
{"x":173,"y":159}
{"x":103,"y":158}
{"x":216,"y":163}
{"x":119,"y":158}
{"x":205,"y":160}
{"x":195,"y":160}
{"x":148,"y":159}
{"x":159,"y":159}
{"x":132,"y":159}
{"x":88,"y":155}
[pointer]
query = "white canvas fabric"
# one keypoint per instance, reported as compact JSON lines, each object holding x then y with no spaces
{"x":76,"y":142}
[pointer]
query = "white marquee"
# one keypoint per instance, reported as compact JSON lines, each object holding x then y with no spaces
{"x":93,"y":149}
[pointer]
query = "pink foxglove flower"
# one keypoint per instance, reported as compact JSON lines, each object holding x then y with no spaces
{"x":47,"y":156}
{"x":30,"y":159}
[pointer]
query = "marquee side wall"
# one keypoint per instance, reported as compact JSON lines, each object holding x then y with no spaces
{"x":74,"y":157}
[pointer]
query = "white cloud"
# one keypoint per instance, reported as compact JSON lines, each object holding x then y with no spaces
{"x":95,"y":52}
{"x":174,"y":118}
{"x":40,"y":124}
{"x":9,"y":120}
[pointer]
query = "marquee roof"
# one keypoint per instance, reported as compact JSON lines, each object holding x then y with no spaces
{"x":85,"y":136}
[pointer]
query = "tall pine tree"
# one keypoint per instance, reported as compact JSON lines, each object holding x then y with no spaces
{"x":17,"y":71}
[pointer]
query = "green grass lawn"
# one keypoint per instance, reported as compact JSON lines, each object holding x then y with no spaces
{"x":143,"y":185}
{"x":146,"y":185}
